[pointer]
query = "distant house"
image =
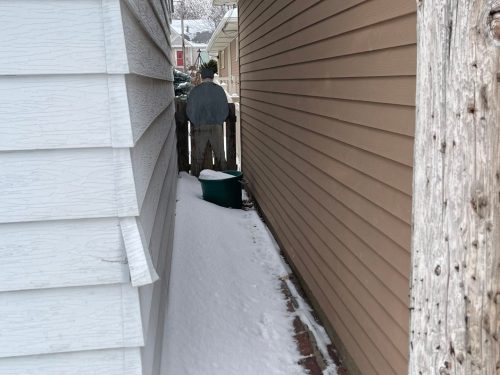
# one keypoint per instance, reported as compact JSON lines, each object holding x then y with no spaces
{"x":196,"y":35}
{"x":327,"y":119}
{"x":224,"y":46}
{"x":198,"y":30}
{"x":88,"y":177}
{"x":192,"y":50}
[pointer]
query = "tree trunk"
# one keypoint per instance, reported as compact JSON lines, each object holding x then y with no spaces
{"x":456,"y":240}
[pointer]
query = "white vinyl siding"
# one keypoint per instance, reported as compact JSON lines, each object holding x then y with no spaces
{"x":88,"y":171}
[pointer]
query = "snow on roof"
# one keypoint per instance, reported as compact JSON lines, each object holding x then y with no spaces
{"x":176,"y":41}
{"x":224,"y":2}
{"x":225,"y":32}
{"x":192,"y":27}
{"x":201,"y":45}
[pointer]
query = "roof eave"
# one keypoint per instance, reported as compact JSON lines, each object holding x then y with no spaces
{"x":224,"y":2}
{"x":224,"y":34}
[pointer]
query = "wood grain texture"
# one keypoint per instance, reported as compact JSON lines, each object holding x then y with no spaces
{"x":87,"y":178}
{"x":154,"y":344}
{"x":142,"y":271}
{"x":154,"y":337}
{"x":164,"y":214}
{"x":154,"y":193}
{"x":161,"y":9}
{"x":162,"y":253}
{"x":54,"y":254}
{"x":69,"y":319}
{"x":51,"y":37}
{"x":66,"y":184}
{"x":145,"y":58}
{"x":114,"y":37}
{"x":148,"y":98}
{"x":153,"y":333}
{"x":145,"y":154}
{"x":125,"y":361}
{"x":456,"y":209}
{"x":63,"y":111}
{"x":119,"y":113}
{"x":149,"y":18}
{"x":160,"y":243}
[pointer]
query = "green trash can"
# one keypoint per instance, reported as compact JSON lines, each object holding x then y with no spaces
{"x":225,"y":193}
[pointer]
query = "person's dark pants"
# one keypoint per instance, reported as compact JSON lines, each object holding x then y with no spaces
{"x":204,"y":135}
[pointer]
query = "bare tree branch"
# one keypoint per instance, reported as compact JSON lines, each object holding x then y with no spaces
{"x":200,"y":9}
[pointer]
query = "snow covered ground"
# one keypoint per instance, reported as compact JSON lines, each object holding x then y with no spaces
{"x":226,"y":313}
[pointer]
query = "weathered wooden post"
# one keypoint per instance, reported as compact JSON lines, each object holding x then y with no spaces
{"x":455,"y":283}
{"x":182,"y":131}
{"x":231,"y":137}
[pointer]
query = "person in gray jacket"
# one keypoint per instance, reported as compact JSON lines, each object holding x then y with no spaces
{"x":207,"y":109}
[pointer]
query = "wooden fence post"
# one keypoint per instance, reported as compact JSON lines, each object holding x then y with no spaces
{"x":231,"y":138}
{"x":182,"y":131}
{"x":455,"y":282}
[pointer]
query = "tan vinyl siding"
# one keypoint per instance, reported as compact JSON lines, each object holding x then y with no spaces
{"x":327,"y":116}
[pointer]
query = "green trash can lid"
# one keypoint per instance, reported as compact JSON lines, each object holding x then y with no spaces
{"x":224,"y":192}
{"x":208,"y":174}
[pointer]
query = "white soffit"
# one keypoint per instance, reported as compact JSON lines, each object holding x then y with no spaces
{"x":225,"y":33}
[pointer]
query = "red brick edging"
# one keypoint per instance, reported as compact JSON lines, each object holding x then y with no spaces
{"x":312,"y":360}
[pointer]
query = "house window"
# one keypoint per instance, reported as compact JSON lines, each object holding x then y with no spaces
{"x":180,"y":58}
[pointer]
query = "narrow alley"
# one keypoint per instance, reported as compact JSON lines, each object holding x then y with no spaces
{"x":227,"y":313}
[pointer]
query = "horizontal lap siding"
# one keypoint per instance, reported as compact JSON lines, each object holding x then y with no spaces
{"x":87,"y":148}
{"x":59,"y":37}
{"x":64,"y":111}
{"x":147,"y":56}
{"x":65,"y":253}
{"x":327,"y":111}
{"x":66,"y":184}
{"x":123,"y":361}
{"x":69,"y":320}
{"x":154,"y":158}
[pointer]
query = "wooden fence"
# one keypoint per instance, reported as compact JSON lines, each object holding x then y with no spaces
{"x":182,"y":130}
